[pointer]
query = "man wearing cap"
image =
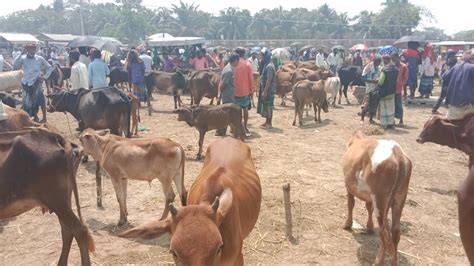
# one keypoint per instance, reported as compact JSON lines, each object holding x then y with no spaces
{"x":33,"y":96}
{"x":244,"y":86}
{"x":460,"y":80}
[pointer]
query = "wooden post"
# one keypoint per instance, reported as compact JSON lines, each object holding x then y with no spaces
{"x":289,"y":221}
{"x":98,"y":184}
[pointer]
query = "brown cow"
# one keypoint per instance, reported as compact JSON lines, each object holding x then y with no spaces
{"x":43,"y":177}
{"x":135,"y":113}
{"x":377,"y":172}
{"x":308,"y":65}
{"x":140,"y":159}
{"x":456,"y":133}
{"x":212,"y":117}
{"x":256,"y":83}
{"x":165,"y":81}
{"x":204,"y":83}
{"x":18,"y":120}
{"x":205,"y":234}
{"x":466,"y":215}
{"x":283,"y":84}
{"x":306,"y":92}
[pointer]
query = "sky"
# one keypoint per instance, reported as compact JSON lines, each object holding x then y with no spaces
{"x":452,"y":17}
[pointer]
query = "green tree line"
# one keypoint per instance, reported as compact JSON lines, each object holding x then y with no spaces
{"x":130,"y":21}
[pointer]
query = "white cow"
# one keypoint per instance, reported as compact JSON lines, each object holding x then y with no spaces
{"x":10,"y":80}
{"x":333,"y":86}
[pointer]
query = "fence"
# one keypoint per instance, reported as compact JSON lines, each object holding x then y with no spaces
{"x":301,"y":42}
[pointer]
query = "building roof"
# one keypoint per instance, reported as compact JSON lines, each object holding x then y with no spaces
{"x":59,"y":38}
{"x":18,"y":38}
{"x":158,"y":40}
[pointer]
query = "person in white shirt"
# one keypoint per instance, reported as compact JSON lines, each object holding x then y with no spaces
{"x":54,"y":57}
{"x":84,"y":57}
{"x":79,"y":78}
{"x":333,"y":61}
{"x":320,"y":62}
{"x":253,"y":60}
{"x":147,"y":60}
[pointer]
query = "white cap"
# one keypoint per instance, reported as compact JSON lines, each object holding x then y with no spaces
{"x":3,"y":114}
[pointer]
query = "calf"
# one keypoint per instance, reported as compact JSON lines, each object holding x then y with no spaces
{"x":309,"y":92}
{"x":377,"y":172}
{"x":466,"y":215}
{"x":284,"y":84}
{"x":333,"y":86}
{"x":370,"y":105}
{"x":38,"y":169}
{"x":214,"y":117}
{"x":140,"y":159}
{"x":135,"y":113}
{"x":350,"y":75}
{"x":456,"y":133}
{"x":165,"y":81}
{"x":212,"y":234}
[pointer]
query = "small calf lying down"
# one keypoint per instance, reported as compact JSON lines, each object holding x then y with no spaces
{"x":207,"y":118}
{"x":141,"y":159}
{"x":378,"y":172}
{"x":371,"y":104}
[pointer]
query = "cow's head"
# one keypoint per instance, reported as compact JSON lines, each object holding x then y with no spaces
{"x":434,"y":131}
{"x":185,"y":114}
{"x":89,"y":139}
{"x":195,"y":236}
{"x":61,"y":100}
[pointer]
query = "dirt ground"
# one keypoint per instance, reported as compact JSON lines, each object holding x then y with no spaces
{"x":308,"y":157}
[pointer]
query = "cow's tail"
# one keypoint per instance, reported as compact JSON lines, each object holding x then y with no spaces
{"x":77,"y":155}
{"x":402,"y":169}
{"x":179,"y":178}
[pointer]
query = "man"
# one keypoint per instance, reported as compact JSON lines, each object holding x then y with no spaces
{"x":267,"y":89}
{"x":387,"y":84}
{"x":33,"y":96}
{"x":402,"y":79}
{"x":147,"y":61}
{"x":371,"y":74}
{"x":54,"y":57}
{"x":412,"y":60}
{"x":335,"y":61}
{"x":97,"y":71}
{"x":199,"y":62}
{"x":460,"y":80}
{"x":84,"y":56}
{"x":226,"y":86}
{"x":253,"y":60}
{"x":320,"y":62}
{"x":168,"y":63}
{"x":427,"y":71}
{"x":244,"y":86}
{"x":79,"y":77}
{"x":449,"y":62}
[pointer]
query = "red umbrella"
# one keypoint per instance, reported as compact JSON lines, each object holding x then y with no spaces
{"x":359,"y":47}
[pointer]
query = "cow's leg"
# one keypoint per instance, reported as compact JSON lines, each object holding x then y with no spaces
{"x":212,"y":101}
{"x":117,"y":183}
{"x":345,"y":94}
{"x":67,"y":237}
{"x":166,"y":183}
{"x":98,"y":185}
{"x":340,"y":96}
{"x":385,"y":239}
{"x":315,"y":113}
{"x":124,"y":193}
{"x":319,"y":114}
{"x":202,"y":133}
{"x":175,"y":99}
{"x":396,"y":215}
{"x":370,"y":224}
{"x":283,"y":103}
{"x":300,"y":113}
{"x":350,"y":208}
{"x":296,"y":113}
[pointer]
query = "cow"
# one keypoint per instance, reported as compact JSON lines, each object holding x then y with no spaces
{"x":141,"y":159}
{"x":309,"y":92}
{"x":308,"y":65}
{"x":10,"y":80}
{"x":204,"y":83}
{"x":454,"y":133}
{"x":102,"y":108}
{"x":17,"y":120}
{"x":377,"y":172}
{"x":284,"y":84}
{"x":350,"y":75}
{"x":135,"y":113}
{"x":165,"y":81}
{"x":55,"y":79}
{"x":119,"y":77}
{"x":222,"y":209}
{"x":212,"y":117}
{"x":370,"y":105}
{"x":256,"y":84}
{"x":38,"y":169}
{"x":332,"y":85}
{"x":466,"y":214}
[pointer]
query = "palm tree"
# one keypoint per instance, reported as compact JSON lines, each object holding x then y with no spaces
{"x":234,"y":22}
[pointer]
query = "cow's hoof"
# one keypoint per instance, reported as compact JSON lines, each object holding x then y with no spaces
{"x":294,"y":124}
{"x":122,"y":222}
{"x":370,"y":231}
{"x":347,"y":226}
{"x":199,"y":157}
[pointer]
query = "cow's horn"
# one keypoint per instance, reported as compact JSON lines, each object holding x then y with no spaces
{"x":173,"y":210}
{"x":215,"y":205}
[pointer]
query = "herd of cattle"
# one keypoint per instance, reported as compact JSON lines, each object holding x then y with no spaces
{"x":223,"y":203}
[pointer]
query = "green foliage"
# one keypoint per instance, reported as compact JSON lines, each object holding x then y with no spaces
{"x":131,"y":22}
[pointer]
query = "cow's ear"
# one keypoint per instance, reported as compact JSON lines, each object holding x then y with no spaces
{"x":151,"y":229}
{"x":103,"y":132}
{"x":224,"y":205}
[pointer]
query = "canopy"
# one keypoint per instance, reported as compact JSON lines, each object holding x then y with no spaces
{"x":403,"y":41}
{"x":359,"y":47}
{"x":56,"y":38}
{"x":160,"y":35}
{"x":175,"y":41}
{"x":18,"y":38}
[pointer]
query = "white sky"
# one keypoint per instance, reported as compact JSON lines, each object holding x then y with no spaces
{"x":452,"y":16}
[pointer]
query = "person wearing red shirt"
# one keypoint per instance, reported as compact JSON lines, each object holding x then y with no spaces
{"x":244,"y":86}
{"x":402,"y":79}
{"x":199,"y":62}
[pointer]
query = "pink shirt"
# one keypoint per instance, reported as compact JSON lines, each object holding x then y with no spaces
{"x":243,"y":78}
{"x":199,"y":63}
{"x":402,"y":77}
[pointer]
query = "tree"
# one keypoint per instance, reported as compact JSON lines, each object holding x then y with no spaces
{"x":58,"y":5}
{"x":233,"y":23}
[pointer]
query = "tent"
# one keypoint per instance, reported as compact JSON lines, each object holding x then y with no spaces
{"x":169,"y":40}
{"x":61,"y":39}
{"x":13,"y":39}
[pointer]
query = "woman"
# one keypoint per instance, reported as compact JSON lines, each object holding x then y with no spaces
{"x":267,"y":90}
{"x":427,"y":71}
{"x":136,"y":75}
{"x":387,"y":88}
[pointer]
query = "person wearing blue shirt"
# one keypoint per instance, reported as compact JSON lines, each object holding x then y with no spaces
{"x":97,"y":71}
{"x":32,"y":81}
{"x":460,"y":80}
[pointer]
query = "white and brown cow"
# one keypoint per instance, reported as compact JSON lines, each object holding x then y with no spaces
{"x":140,"y":159}
{"x":223,"y":207}
{"x":378,"y":172}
